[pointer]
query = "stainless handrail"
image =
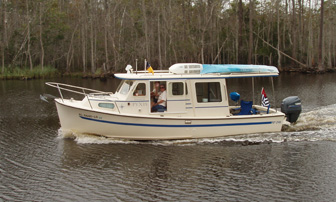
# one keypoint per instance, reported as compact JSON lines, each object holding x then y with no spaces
{"x":65,"y":87}
{"x":59,"y":91}
{"x":58,"y":86}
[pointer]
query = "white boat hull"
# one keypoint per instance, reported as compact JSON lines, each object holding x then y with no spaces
{"x":113,"y":125}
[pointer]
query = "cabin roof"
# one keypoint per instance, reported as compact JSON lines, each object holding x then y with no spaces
{"x":198,"y":71}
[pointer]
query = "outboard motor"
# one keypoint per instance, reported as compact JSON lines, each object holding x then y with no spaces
{"x":291,"y":106}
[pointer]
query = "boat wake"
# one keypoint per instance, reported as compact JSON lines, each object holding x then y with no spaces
{"x":318,"y":119}
{"x":315,"y":125}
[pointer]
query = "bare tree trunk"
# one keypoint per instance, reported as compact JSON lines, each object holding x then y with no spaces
{"x":240,"y":30}
{"x":320,"y":58}
{"x":295,"y":60}
{"x":113,"y":38}
{"x":329,"y":52}
{"x":93,"y":68}
{"x":204,"y":28}
{"x":300,"y":28}
{"x":278,"y":30}
{"x":28,"y":34}
{"x":95,"y":43}
{"x":83,"y":46}
{"x":70,"y":51}
{"x":294,"y":31}
{"x":251,"y":32}
{"x":146,"y":28}
{"x":310,"y":38}
{"x":107,"y":10}
{"x":4,"y":36}
{"x":41,"y":40}
{"x":159,"y":41}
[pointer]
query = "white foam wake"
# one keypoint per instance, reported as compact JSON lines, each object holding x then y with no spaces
{"x":319,"y":119}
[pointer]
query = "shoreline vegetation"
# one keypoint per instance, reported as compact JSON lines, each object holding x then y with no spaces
{"x":48,"y":72}
{"x":51,"y":72}
{"x":90,"y":38}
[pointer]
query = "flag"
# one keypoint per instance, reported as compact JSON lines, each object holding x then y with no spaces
{"x":149,"y":68}
{"x":264,"y":99}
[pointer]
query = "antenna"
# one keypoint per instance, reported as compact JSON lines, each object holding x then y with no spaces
{"x":136,"y":66}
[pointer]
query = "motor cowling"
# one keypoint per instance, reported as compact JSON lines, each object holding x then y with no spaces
{"x":291,"y":106}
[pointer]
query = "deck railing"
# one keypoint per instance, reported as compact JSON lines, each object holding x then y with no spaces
{"x":77,"y":90}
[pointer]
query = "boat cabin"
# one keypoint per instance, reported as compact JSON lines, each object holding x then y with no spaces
{"x":185,"y":97}
{"x":191,"y":91}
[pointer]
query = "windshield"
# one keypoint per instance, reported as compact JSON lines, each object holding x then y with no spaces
{"x":125,"y":87}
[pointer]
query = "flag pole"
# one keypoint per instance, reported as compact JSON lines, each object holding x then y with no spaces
{"x":262,"y":88}
{"x":136,"y":66}
{"x":253,"y":90}
{"x":273,"y":93}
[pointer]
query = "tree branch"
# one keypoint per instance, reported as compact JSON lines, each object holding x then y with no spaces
{"x":280,"y":51}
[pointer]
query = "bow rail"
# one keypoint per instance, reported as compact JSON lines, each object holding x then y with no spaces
{"x":77,"y":90}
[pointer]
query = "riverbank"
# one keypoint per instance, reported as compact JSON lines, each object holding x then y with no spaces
{"x":50,"y":72}
{"x":17,"y":73}
{"x":308,"y":70}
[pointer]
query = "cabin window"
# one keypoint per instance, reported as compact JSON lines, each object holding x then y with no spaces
{"x":208,"y":92}
{"x":125,"y":87}
{"x":140,"y":90}
{"x":106,"y":105}
{"x":177,"y":88}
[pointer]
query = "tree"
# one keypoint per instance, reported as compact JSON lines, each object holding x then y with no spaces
{"x":41,"y":38}
{"x":320,"y":55}
{"x":29,"y":36}
{"x":4,"y":34}
{"x":251,"y":10}
{"x":278,"y":33}
{"x":86,"y":35}
{"x":240,"y":31}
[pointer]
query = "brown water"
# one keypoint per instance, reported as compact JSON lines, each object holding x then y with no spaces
{"x":38,"y":163}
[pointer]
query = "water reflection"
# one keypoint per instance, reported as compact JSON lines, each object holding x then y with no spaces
{"x":157,"y":172}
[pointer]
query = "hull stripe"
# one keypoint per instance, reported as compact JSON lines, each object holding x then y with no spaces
{"x":178,"y":126}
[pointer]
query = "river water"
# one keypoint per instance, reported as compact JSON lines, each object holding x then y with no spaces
{"x":39,"y":163}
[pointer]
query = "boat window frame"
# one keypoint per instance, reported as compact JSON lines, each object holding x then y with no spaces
{"x":120,"y":87}
{"x":171,"y":83}
{"x":208,"y":99}
{"x":137,"y":88}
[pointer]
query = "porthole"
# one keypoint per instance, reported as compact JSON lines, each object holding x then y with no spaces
{"x":106,"y":105}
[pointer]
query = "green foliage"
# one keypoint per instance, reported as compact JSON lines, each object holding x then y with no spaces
{"x":26,"y":73}
{"x":99,"y":71}
{"x":54,"y":24}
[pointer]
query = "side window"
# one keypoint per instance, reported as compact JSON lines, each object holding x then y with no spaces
{"x":208,"y":92}
{"x":125,"y":87}
{"x":177,"y":88}
{"x":140,"y":90}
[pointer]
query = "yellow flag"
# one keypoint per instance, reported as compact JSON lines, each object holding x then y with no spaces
{"x":150,"y":69}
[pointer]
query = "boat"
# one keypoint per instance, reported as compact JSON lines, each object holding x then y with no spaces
{"x":196,"y":104}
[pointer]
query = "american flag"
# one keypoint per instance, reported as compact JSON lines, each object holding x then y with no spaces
{"x":264,"y":99}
